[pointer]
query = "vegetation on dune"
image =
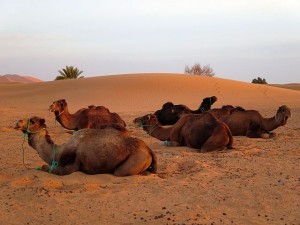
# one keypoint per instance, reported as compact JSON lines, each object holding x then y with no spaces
{"x":259,"y":80}
{"x":70,"y":72}
{"x":197,"y":69}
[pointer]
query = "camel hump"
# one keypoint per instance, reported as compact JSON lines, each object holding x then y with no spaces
{"x":239,"y":108}
{"x":113,"y":125}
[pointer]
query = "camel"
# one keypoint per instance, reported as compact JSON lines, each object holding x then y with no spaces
{"x":109,"y":149}
{"x":201,"y":131}
{"x":169,"y":114}
{"x":252,"y":124}
{"x":91,"y":117}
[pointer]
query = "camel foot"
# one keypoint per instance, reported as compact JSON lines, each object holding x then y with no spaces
{"x":45,"y":168}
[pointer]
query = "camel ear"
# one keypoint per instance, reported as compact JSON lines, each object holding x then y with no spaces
{"x":282,"y":108}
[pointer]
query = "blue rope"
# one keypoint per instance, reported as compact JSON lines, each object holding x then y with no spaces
{"x":54,"y":163}
{"x":166,"y":143}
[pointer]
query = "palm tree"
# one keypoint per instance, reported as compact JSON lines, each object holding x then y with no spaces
{"x":70,"y":72}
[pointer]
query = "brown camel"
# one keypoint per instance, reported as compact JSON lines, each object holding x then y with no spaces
{"x":169,"y":114}
{"x":250,"y":123}
{"x":202,"y":131}
{"x":91,"y":117}
{"x":92,"y":151}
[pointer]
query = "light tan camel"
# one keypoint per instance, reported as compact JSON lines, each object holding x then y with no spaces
{"x":252,"y":124}
{"x":201,"y":131}
{"x":92,"y":151}
{"x":91,"y":117}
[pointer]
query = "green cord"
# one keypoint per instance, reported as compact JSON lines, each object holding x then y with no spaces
{"x":54,"y":163}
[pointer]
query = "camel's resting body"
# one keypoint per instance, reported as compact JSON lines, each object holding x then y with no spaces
{"x":252,"y":124}
{"x":92,"y":151}
{"x":201,"y":131}
{"x":92,"y":117}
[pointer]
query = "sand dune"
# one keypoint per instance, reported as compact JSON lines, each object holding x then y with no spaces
{"x":255,"y":183}
{"x":14,"y":78}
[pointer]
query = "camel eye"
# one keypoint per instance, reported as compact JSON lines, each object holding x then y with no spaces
{"x":32,"y":121}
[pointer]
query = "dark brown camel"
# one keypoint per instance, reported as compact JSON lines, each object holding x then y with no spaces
{"x":201,"y":131}
{"x":92,"y":151}
{"x":250,"y":123}
{"x":170,"y":113}
{"x":91,"y":117}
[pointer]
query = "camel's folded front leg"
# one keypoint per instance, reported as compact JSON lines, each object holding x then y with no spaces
{"x":60,"y":170}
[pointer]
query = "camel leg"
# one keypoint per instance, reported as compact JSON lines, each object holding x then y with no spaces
{"x":217,"y":141}
{"x":254,"y":131}
{"x":62,"y":170}
{"x":134,"y":165}
{"x":174,"y":143}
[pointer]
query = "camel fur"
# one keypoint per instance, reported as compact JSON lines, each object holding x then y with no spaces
{"x":225,"y":110}
{"x":91,"y":117}
{"x":92,"y":151}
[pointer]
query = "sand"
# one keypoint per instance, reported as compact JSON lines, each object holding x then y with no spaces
{"x":258,"y":182}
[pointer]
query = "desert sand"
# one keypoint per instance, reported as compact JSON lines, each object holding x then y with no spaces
{"x":257,"y":182}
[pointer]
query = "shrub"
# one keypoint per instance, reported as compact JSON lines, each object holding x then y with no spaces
{"x":259,"y":80}
{"x":197,"y":69}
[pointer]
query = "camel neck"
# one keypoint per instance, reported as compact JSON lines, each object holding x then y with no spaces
{"x":203,"y":108}
{"x":161,"y":133}
{"x":272,"y":123}
{"x":65,"y":118}
{"x":43,"y":144}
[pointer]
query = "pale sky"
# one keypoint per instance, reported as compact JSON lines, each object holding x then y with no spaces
{"x":239,"y":39}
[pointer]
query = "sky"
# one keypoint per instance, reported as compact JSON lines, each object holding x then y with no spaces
{"x":240,"y":39}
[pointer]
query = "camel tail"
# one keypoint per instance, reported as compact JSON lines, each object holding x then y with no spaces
{"x":153,"y":167}
{"x":230,"y":143}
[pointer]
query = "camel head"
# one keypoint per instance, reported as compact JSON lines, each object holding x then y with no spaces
{"x":148,"y":120}
{"x":209,"y":101}
{"x":31,"y":125}
{"x":58,"y":106}
{"x":282,"y":115}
